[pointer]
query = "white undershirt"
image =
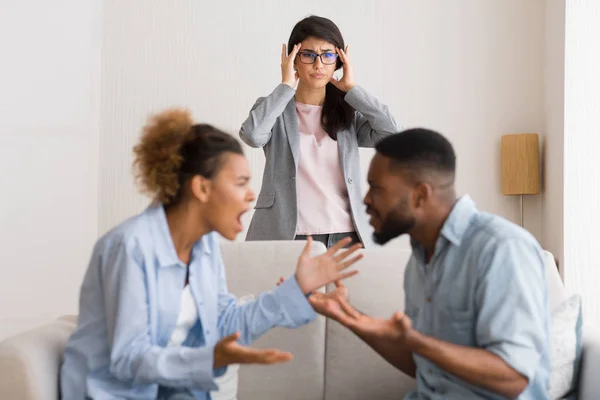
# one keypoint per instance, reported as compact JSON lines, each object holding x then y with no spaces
{"x":188,"y":315}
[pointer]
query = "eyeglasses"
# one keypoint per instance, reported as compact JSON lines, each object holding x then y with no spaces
{"x":310,"y":58}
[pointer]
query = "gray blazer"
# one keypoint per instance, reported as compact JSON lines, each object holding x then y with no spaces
{"x":273,"y":125}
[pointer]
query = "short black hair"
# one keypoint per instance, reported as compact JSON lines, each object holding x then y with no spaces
{"x":420,"y":151}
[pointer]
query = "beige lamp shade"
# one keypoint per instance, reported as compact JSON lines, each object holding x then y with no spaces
{"x":520,"y":164}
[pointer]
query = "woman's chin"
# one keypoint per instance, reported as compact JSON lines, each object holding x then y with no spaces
{"x":315,"y":83}
{"x":231,"y":232}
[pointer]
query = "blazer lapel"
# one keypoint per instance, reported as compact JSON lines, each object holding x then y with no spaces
{"x":290,"y":123}
{"x":342,"y":150}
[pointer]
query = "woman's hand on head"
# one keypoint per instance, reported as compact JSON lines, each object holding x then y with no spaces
{"x":289,"y":76}
{"x":346,"y":82}
{"x":315,"y":272}
{"x":228,"y":351}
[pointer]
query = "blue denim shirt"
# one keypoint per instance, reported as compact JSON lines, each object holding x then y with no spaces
{"x":129,"y":305}
{"x":484,"y":287}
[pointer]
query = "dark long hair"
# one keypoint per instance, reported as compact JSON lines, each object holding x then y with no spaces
{"x":337,"y":114}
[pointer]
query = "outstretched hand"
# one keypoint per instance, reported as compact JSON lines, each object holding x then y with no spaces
{"x":315,"y":272}
{"x":335,"y":305}
{"x":228,"y":351}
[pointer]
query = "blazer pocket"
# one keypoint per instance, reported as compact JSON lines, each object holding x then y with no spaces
{"x":265,"y":200}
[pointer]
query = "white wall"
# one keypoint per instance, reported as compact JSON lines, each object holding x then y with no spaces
{"x":49,"y":120}
{"x":80,"y":77}
{"x":581,"y":161}
{"x":468,"y":68}
{"x":553,"y":138}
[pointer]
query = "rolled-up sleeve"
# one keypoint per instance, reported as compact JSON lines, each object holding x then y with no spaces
{"x":285,"y":306}
{"x":511,"y":298}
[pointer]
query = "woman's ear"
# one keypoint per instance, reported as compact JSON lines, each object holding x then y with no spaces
{"x":201,"y":188}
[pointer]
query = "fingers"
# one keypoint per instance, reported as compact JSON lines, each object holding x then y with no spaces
{"x":402,"y":321}
{"x":348,"y":309}
{"x":343,"y":54}
{"x":317,"y":301}
{"x":348,"y":263}
{"x":283,"y":52}
{"x":343,"y":255}
{"x":275,"y":356}
{"x":398,"y":316}
{"x":335,"y":82}
{"x":339,"y":245}
{"x":295,"y":51}
{"x":231,"y":338}
{"x":306,"y":251}
{"x":266,"y":356}
{"x":347,"y":275}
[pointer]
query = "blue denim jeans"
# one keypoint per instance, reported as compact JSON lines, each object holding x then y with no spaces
{"x":329,"y":239}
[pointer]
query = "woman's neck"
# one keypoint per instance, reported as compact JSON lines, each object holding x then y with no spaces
{"x":185,"y":229}
{"x":310,"y":96}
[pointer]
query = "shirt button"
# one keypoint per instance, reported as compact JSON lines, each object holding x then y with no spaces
{"x":207,"y":332}
{"x":349,"y":180}
{"x":429,"y":299}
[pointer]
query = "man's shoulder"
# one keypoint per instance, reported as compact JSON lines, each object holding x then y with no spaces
{"x":489,"y":231}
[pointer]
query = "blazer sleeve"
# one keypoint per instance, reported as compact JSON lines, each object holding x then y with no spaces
{"x":373,"y":120}
{"x":256,"y":129}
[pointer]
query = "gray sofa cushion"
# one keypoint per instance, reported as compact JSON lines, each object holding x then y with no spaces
{"x":353,"y":370}
{"x":253,"y":267}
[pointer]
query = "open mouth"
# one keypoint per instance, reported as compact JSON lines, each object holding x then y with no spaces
{"x":239,"y":220}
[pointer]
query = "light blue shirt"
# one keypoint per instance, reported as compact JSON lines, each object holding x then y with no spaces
{"x":129,"y":305}
{"x":484,"y":287}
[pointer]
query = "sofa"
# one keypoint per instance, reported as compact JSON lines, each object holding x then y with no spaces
{"x":329,"y":363}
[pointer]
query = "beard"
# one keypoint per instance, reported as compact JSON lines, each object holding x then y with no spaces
{"x":395,"y":224}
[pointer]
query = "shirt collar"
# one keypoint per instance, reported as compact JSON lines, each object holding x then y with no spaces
{"x":458,"y":220}
{"x":164,"y":247}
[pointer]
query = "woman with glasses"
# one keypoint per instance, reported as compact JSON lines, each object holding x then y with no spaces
{"x":310,"y":128}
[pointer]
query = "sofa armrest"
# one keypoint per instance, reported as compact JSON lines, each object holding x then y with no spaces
{"x":588,"y":382}
{"x":30,"y":361}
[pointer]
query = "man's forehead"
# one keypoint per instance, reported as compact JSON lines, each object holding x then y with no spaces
{"x":381,"y":166}
{"x":383,"y":169}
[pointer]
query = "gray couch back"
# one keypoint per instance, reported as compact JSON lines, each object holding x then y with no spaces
{"x":329,"y":361}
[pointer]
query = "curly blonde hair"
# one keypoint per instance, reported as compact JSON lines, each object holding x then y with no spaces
{"x":173,"y":149}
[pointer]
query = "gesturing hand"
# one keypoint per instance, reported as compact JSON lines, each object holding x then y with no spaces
{"x":334,"y":304}
{"x":346,"y":82}
{"x":288,"y":75}
{"x":229,"y":351}
{"x":315,"y":272}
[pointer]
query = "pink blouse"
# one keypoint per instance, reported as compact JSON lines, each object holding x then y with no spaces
{"x":323,"y":205}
